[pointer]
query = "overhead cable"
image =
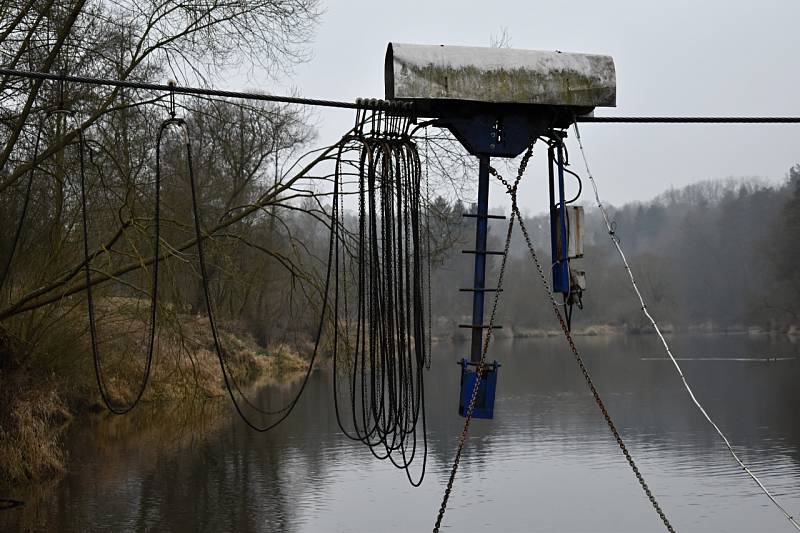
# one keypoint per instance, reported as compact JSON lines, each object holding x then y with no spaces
{"x":367,"y":103}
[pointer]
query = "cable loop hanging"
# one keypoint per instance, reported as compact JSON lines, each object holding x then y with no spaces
{"x":153,"y":314}
{"x":378,"y":373}
{"x":200,"y":237}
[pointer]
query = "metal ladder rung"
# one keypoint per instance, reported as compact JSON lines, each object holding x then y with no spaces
{"x":475,"y":215}
{"x":479,"y":252}
{"x":480,"y":290}
{"x":479,"y":326}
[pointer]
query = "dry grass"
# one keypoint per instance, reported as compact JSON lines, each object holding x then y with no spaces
{"x":30,"y":427}
{"x":58,"y":381}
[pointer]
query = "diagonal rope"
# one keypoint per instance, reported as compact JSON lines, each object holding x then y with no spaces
{"x":615,"y":240}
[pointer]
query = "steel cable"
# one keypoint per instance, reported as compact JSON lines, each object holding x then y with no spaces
{"x":381,"y":364}
{"x":397,"y":107}
{"x":96,"y":358}
{"x":23,"y":215}
{"x":200,"y":237}
{"x":360,"y":103}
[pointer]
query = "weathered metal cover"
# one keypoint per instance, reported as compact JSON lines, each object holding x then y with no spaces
{"x":499,"y":75}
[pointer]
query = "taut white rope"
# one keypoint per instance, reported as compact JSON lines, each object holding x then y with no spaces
{"x":615,"y":240}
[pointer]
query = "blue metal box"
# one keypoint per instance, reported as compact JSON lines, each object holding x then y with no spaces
{"x":484,"y":402}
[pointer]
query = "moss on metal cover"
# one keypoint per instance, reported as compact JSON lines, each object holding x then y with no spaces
{"x":499,"y":76}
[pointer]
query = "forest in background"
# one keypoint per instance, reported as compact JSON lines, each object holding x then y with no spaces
{"x":712,"y":256}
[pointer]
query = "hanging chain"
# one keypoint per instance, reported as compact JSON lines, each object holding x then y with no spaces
{"x":512,"y":191}
{"x":481,"y":368}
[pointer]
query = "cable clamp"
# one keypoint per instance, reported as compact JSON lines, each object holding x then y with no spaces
{"x":172,"y":84}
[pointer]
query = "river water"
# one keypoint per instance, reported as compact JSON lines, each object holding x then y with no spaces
{"x":547,"y":461}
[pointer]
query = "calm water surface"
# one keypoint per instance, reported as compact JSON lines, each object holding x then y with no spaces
{"x":546,"y":463}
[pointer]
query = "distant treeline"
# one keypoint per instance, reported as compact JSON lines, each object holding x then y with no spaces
{"x":712,"y":255}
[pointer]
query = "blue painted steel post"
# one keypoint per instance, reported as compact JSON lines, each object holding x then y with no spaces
{"x":558,"y":223}
{"x":563,"y":252}
{"x":481,"y":232}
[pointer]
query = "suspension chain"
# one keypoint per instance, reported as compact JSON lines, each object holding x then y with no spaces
{"x":512,"y":191}
{"x":481,"y":368}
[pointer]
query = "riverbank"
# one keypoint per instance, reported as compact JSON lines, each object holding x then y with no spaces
{"x":594,"y":330}
{"x":43,"y":393}
{"x":56,"y":387}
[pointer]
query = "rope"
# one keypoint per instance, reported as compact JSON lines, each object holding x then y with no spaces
{"x":615,"y":240}
{"x":480,"y":370}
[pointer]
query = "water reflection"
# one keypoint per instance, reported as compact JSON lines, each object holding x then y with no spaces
{"x":546,"y":463}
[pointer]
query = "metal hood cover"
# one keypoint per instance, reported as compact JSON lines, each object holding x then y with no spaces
{"x":499,"y":75}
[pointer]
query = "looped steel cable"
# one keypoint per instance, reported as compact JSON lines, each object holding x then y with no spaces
{"x":381,"y":365}
{"x":230,"y":384}
{"x":96,"y":357}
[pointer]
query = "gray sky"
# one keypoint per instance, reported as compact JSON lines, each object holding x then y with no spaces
{"x":672,"y":58}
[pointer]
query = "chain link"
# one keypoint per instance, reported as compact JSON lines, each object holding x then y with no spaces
{"x":516,"y":215}
{"x":512,"y":191}
{"x":481,"y":368}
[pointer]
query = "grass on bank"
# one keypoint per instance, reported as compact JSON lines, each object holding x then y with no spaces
{"x":47,"y":376}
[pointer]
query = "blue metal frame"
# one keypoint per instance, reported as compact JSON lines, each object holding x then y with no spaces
{"x":486,"y":136}
{"x":481,"y":236}
{"x":504,"y":135}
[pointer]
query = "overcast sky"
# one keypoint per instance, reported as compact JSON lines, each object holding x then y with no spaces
{"x":672,"y":58}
